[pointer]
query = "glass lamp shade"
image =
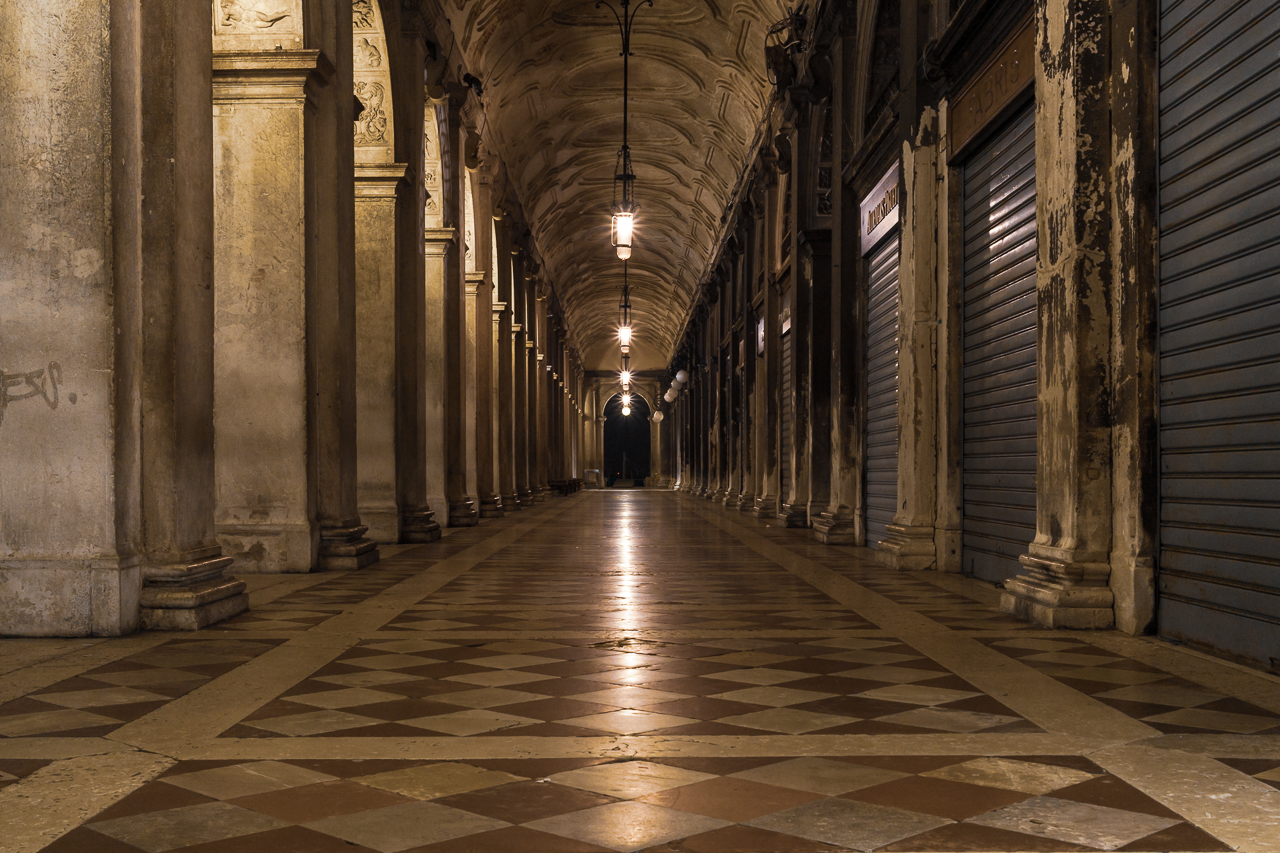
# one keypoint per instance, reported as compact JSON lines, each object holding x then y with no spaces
{"x":657,"y":417}
{"x":625,"y":376}
{"x":623,"y":228}
{"x":626,"y":411}
{"x":682,"y":376}
{"x":624,"y":336}
{"x":626,"y":399}
{"x":670,"y":396}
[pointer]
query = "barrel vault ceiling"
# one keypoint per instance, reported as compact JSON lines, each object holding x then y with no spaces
{"x":552,"y":77}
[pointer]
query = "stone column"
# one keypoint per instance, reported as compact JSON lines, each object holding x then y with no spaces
{"x":106,"y":381}
{"x":437,"y":242}
{"x":910,"y":540}
{"x":1066,"y":585}
{"x":506,"y":372}
{"x":768,"y":373}
{"x":794,"y":508}
{"x":377,"y":187}
{"x":486,"y":483}
{"x":417,"y":520}
{"x":520,"y":290}
{"x":470,"y":389}
{"x":538,"y":389}
{"x":462,"y":511}
{"x":285,"y":317}
{"x":818,"y":353}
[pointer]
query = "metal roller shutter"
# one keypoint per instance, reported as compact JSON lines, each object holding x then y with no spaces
{"x":1000,"y":351}
{"x":784,"y":463}
{"x":1220,"y":325}
{"x":881,"y":471}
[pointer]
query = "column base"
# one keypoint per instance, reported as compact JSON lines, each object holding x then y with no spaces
{"x":283,"y":548}
{"x":418,"y":527}
{"x":462,"y":513}
{"x":511,"y":503}
{"x":540,"y":494}
{"x":524,"y":498}
{"x":345,"y":549}
{"x":744,"y":503}
{"x":190,"y":596}
{"x":1058,"y":592}
{"x":765,"y":507}
{"x":491,"y":507}
{"x":383,"y":523}
{"x":907,"y":547}
{"x":794,"y":515}
{"x":836,"y":528}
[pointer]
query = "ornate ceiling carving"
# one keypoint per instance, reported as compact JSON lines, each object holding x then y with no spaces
{"x":552,"y":78}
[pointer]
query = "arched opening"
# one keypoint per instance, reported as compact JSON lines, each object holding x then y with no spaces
{"x":627,"y":454}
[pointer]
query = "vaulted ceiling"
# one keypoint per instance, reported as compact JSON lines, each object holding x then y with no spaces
{"x":552,"y":74}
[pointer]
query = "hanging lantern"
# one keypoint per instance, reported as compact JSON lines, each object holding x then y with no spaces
{"x":626,"y":411}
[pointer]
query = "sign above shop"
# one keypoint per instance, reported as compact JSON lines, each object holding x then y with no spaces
{"x":1008,"y":74}
{"x":880,"y":210}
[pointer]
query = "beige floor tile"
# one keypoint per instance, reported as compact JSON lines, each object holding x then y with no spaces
{"x":761,"y":675}
{"x":388,"y":661}
{"x":869,"y":656}
{"x":749,"y":659}
{"x":1162,"y":694}
{"x":347,"y":698}
{"x":432,"y":781}
{"x":143,"y":677}
{"x":628,"y":826}
{"x":891,"y":674}
{"x":368,"y":678}
{"x":629,"y":697}
{"x":487,"y":697}
{"x":948,"y":720}
{"x":168,"y":830}
{"x":408,"y":646}
{"x":1111,"y":676}
{"x":99,"y":698}
{"x":474,"y":722}
{"x":852,"y":643}
{"x":778,"y":697}
{"x":1011,"y":775}
{"x":400,"y":827}
{"x":514,"y":661}
{"x":820,"y":775}
{"x":787,"y":721}
{"x":1075,"y":823}
{"x":1071,"y":658}
{"x":51,"y":722}
{"x":1201,"y":718}
{"x":314,"y":723}
{"x":245,"y":780}
{"x":849,"y":824}
{"x":627,"y":779}
{"x":499,"y":678}
{"x":629,"y":721}
{"x":917,"y":695}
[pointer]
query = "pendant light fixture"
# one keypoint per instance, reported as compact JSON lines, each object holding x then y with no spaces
{"x":624,"y":314}
{"x":622,"y":232}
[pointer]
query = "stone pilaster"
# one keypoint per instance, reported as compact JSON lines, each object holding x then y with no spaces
{"x":818,"y":445}
{"x":462,"y":511}
{"x":436,"y":244}
{"x":264,"y":381}
{"x":1068,"y":568}
{"x":486,"y":330}
{"x":910,"y":540}
{"x":377,"y":188}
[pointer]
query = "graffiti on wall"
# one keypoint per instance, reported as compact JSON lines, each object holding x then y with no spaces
{"x":42,"y":383}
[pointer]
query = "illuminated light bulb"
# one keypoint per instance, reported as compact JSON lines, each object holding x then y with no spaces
{"x":626,"y":399}
{"x":623,"y":229}
{"x":624,"y":336}
{"x":626,"y":378}
{"x":626,"y":411}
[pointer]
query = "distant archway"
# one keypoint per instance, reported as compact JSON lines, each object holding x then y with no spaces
{"x":626,"y":440}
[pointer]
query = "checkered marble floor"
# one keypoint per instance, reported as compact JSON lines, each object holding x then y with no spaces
{"x":632,"y":672}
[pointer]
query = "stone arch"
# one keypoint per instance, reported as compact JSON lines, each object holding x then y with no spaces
{"x":371,"y":75}
{"x":879,"y":52}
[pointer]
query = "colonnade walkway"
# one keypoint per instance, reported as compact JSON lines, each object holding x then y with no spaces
{"x":631,"y":671}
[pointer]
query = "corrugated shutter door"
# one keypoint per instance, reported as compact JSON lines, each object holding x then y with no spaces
{"x":784,"y":463}
{"x":1220,"y":325}
{"x":882,"y":390}
{"x":1000,"y":351}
